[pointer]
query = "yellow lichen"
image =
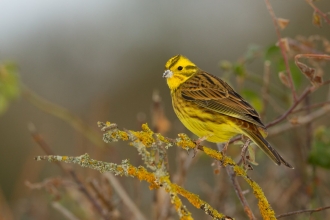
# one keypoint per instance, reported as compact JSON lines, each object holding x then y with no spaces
{"x":213,"y":153}
{"x":144,"y":136}
{"x":185,"y":142}
{"x":123,"y":135}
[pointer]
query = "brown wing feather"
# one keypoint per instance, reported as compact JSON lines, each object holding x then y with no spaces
{"x":212,"y":93}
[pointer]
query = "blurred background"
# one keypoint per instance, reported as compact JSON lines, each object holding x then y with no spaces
{"x":103,"y":60}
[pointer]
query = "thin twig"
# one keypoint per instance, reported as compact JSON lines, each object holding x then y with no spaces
{"x":100,"y":195}
{"x":65,"y":212}
{"x":307,"y":91}
{"x":282,"y":47}
{"x":294,"y":105}
{"x":84,"y":190}
{"x":44,"y":146}
{"x":63,"y":114}
{"x":316,"y":105}
{"x":303,"y":211}
{"x":6,"y":212}
{"x":42,"y":143}
{"x":313,"y":56}
{"x":300,"y":121}
{"x":124,"y":196}
{"x":265,"y":87}
{"x":239,"y":193}
{"x":324,"y":15}
{"x":296,"y":45}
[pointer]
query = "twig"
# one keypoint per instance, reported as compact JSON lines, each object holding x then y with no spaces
{"x":311,"y":106}
{"x":145,"y":138}
{"x":5,"y":211}
{"x":239,"y":193}
{"x":303,"y":211}
{"x":124,"y":196}
{"x":84,"y":190}
{"x":294,"y":105}
{"x":40,"y":141}
{"x":44,"y":146}
{"x":265,"y":87}
{"x":63,"y":114}
{"x":282,"y":47}
{"x":65,"y":212}
{"x":324,"y":15}
{"x":313,"y":56}
{"x":296,"y":45}
{"x":100,"y":195}
{"x":284,"y":115}
{"x":300,"y":121}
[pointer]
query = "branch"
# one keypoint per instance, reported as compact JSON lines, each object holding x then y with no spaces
{"x":324,"y":15}
{"x":65,"y":212}
{"x":300,"y":121}
{"x":311,"y":211}
{"x":124,"y":197}
{"x":316,"y":105}
{"x":40,"y":141}
{"x":239,"y":193}
{"x":289,"y":111}
{"x":63,"y":114}
{"x":146,"y":138}
{"x":155,"y":180}
{"x":282,"y":47}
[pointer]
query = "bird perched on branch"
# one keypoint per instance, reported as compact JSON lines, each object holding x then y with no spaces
{"x":211,"y":109}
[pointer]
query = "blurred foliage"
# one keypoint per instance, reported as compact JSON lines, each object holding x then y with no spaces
{"x":273,"y":53}
{"x":320,"y":153}
{"x":9,"y":85}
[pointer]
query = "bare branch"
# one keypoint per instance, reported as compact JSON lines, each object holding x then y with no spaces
{"x":65,"y":212}
{"x":42,"y":143}
{"x":282,"y":47}
{"x":300,"y":121}
{"x":318,"y":11}
{"x":303,"y":211}
{"x":124,"y":196}
{"x":239,"y":193}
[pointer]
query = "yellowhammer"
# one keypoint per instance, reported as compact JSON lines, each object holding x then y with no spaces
{"x":210,"y":108}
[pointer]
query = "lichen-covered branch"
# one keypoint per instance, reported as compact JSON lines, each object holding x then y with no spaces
{"x":155,"y":181}
{"x":147,"y":138}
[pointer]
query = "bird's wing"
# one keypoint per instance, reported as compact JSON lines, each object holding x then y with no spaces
{"x":210,"y":92}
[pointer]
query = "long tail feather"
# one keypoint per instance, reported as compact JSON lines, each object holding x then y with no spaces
{"x":265,"y":147}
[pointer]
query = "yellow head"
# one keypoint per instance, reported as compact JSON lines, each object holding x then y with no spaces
{"x":177,"y":70}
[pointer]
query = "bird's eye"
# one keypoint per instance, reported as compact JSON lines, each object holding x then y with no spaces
{"x":180,"y":68}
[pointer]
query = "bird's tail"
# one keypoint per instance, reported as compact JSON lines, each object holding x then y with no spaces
{"x":257,"y":138}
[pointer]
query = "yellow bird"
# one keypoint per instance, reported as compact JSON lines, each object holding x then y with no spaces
{"x":211,"y":109}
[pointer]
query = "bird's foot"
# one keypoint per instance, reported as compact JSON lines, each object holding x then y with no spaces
{"x":244,"y":157}
{"x":224,"y":149}
{"x":198,"y":144}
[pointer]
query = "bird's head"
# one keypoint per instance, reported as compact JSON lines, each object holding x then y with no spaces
{"x":177,"y":70}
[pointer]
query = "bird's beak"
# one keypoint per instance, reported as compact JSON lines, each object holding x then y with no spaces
{"x":167,"y":74}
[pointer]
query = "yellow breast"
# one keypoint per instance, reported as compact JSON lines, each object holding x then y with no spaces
{"x":202,"y":122}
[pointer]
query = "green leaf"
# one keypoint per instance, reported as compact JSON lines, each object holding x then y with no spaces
{"x":239,"y":69}
{"x":297,"y":76}
{"x":9,"y":85}
{"x":320,"y":153}
{"x":272,"y":52}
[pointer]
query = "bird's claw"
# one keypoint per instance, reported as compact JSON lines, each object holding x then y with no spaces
{"x":198,"y":144}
